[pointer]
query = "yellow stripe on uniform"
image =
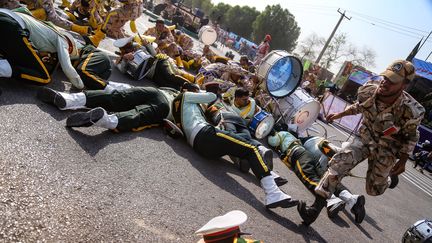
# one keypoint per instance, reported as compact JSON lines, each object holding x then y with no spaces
{"x":264,"y":166}
{"x":107,"y":19}
{"x":304,"y":176}
{"x":83,"y":69}
{"x":33,"y":78}
{"x":144,"y":127}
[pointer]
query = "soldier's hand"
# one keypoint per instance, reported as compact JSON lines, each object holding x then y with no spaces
{"x":331,"y":117}
{"x":399,"y":167}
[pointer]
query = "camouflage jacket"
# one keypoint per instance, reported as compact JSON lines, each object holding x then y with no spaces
{"x":163,"y":38}
{"x":394,"y":128}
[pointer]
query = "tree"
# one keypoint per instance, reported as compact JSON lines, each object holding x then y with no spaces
{"x":340,"y":50}
{"x":280,"y":24}
{"x":308,"y":48}
{"x":217,"y":13}
{"x":335,"y":50}
{"x":239,"y":20}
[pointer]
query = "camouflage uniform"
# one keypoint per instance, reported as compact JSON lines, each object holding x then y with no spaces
{"x":219,"y":72}
{"x":165,"y":40}
{"x":117,"y":18}
{"x":9,"y":4}
{"x":51,"y":15}
{"x":92,"y":14}
{"x":385,"y":134}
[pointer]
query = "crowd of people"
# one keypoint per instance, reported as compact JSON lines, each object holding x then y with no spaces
{"x":207,"y":99}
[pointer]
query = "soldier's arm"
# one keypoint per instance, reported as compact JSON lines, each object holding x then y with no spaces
{"x":52,"y":16}
{"x":414,"y":114}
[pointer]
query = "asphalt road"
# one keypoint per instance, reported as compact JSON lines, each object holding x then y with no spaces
{"x":89,"y":184}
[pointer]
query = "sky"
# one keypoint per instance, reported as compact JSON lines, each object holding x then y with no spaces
{"x":389,"y":27}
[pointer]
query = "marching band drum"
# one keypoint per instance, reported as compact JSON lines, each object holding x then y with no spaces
{"x":281,"y":74}
{"x":207,"y":35}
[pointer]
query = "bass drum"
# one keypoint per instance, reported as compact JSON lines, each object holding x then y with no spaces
{"x":280,"y":73}
{"x":299,"y":108}
{"x":207,"y":35}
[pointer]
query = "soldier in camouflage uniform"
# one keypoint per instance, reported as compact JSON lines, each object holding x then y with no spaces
{"x":9,"y":4}
{"x":165,"y":40}
{"x":388,"y":132}
{"x":44,"y":10}
{"x":117,"y":18}
{"x":86,"y":10}
{"x":228,"y":75}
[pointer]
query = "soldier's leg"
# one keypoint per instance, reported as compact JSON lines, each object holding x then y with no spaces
{"x":377,"y":178}
{"x":346,"y":159}
{"x":19,"y":53}
{"x":214,"y":143}
{"x":123,"y":100}
{"x":94,"y":68}
{"x":167,"y":76}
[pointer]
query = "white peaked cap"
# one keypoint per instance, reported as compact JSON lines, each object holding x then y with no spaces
{"x":220,"y":223}
{"x":122,"y":42}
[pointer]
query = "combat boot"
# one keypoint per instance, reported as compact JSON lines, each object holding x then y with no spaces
{"x":82,"y":30}
{"x":65,"y":4}
{"x":334,"y":205}
{"x":310,"y":214}
{"x":179,"y":62}
{"x":96,"y":38}
{"x":355,"y":203}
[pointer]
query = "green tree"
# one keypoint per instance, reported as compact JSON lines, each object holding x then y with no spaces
{"x":280,"y":24}
{"x":239,"y":20}
{"x":217,"y":13}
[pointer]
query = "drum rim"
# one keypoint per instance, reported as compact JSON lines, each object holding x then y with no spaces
{"x":267,"y":73}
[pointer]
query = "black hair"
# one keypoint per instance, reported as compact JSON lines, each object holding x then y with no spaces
{"x":240,"y":92}
{"x":190,"y":87}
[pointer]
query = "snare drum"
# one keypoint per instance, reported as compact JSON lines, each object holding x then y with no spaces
{"x":281,"y":73}
{"x":261,"y":124}
{"x":136,"y":68}
{"x":299,"y":108}
{"x":207,"y":35}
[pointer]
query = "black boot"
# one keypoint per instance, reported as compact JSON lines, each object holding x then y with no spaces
{"x":394,"y":181}
{"x":359,"y":209}
{"x":310,"y":214}
{"x":85,"y":119}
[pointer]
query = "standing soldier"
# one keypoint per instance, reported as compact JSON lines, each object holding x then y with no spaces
{"x":117,"y":18}
{"x":388,"y":132}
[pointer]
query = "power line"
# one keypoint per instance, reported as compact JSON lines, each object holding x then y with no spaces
{"x":388,"y":22}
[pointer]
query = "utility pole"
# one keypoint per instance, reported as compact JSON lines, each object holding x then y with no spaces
{"x":331,"y":36}
{"x":428,"y":56}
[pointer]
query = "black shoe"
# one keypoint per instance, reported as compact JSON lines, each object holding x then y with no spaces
{"x":394,"y":181}
{"x":85,"y":119}
{"x":359,"y":210}
{"x":51,"y":96}
{"x":287,"y":203}
{"x":172,"y":129}
{"x":280,"y":181}
{"x":308,"y":214}
{"x":334,"y":209}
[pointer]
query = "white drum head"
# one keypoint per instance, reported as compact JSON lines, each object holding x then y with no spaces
{"x":265,"y":127}
{"x":207,"y":35}
{"x":307,"y":115}
{"x":281,"y":72}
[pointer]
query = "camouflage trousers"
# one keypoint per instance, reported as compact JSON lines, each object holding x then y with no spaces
{"x":117,"y":18}
{"x":380,"y":161}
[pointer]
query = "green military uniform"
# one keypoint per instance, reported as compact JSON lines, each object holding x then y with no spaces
{"x":94,"y":67}
{"x":136,"y":108}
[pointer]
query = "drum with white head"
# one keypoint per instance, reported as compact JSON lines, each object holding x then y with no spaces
{"x":280,"y":73}
{"x":136,"y":68}
{"x":261,"y":124}
{"x":207,"y":35}
{"x":299,"y":108}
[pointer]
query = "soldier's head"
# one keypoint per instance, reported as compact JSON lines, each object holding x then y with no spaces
{"x":395,"y":78}
{"x":160,"y":24}
{"x":241,"y":97}
{"x":244,"y":60}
